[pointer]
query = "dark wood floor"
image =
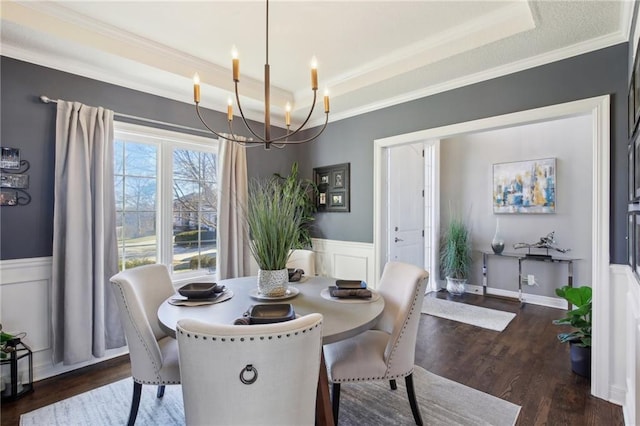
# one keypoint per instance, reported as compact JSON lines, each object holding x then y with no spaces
{"x":525,"y":364}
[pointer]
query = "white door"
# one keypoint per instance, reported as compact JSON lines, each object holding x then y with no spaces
{"x":405,"y":196}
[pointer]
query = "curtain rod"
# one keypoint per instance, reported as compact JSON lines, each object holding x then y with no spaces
{"x":45,"y":99}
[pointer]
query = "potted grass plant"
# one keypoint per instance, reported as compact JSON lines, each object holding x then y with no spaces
{"x":580,"y":319}
{"x":273,"y":223}
{"x":303,"y":191}
{"x":455,"y":255}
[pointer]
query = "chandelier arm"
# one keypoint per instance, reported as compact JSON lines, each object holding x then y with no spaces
{"x":207,"y":126}
{"x":326,"y":121}
{"x":249,"y":143}
{"x":285,"y":137}
{"x":245,"y":120}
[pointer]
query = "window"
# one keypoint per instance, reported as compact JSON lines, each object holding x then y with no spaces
{"x":166,"y":199}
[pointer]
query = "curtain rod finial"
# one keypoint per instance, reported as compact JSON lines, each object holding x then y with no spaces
{"x":45,"y":99}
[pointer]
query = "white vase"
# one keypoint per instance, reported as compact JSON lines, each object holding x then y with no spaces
{"x":273,"y":283}
{"x":497,"y":244}
{"x":456,"y":286}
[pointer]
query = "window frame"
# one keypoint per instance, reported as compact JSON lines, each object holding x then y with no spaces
{"x":166,"y":142}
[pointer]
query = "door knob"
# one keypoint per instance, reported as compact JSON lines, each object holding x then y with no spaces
{"x":398,"y":239}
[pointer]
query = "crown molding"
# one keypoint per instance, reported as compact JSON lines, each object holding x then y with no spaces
{"x":536,"y":61}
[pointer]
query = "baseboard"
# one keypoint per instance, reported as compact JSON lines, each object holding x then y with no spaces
{"x":44,"y":371}
{"x":474,"y":289}
{"x":551,"y":302}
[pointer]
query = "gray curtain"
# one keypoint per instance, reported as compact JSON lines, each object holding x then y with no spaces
{"x":233,"y":248}
{"x":85,"y":315}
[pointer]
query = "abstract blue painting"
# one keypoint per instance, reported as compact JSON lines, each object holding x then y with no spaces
{"x":525,"y":186}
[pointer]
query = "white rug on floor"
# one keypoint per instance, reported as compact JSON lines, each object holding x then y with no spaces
{"x":442,"y":402}
{"x":468,"y":314}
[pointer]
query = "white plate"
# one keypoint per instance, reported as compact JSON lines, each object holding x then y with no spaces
{"x":291,"y":293}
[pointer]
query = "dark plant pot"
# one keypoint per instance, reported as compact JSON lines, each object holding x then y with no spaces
{"x":580,"y":360}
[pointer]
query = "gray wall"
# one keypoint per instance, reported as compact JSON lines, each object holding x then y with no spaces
{"x":466,"y":181}
{"x":351,"y":140}
{"x":29,"y":125}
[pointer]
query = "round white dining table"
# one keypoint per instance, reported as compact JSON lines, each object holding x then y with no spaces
{"x":343,"y":318}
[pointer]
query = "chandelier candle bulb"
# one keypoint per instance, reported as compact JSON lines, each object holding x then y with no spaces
{"x":196,"y":88}
{"x":287,"y":114}
{"x":236,"y":64}
{"x":326,"y":101}
{"x":314,"y":73}
{"x":229,"y":110}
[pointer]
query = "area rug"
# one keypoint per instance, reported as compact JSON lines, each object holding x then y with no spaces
{"x":442,"y":402}
{"x":468,"y":314}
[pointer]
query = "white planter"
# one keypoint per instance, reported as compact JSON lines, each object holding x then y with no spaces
{"x":456,"y":286}
{"x":273,"y":283}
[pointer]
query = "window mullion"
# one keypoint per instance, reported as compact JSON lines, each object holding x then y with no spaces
{"x":165,"y":206}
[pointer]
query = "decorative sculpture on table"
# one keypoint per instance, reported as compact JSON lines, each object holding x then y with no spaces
{"x":547,"y":242}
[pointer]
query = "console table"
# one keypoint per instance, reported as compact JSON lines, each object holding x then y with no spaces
{"x":523,"y":257}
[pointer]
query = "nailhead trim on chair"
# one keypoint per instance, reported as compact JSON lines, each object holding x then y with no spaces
{"x":160,"y":382}
{"x":404,"y":326}
{"x":146,"y":348}
{"x":251,"y":338}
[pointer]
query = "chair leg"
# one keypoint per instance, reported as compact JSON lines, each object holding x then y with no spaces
{"x":160,"y":392}
{"x":412,"y":400}
{"x":393,"y":384}
{"x":335,"y":401}
{"x":135,"y":403}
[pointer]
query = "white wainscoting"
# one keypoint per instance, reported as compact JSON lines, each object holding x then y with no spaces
{"x":25,"y":294}
{"x":345,"y":260}
{"x":626,"y":343}
{"x":25,"y":305}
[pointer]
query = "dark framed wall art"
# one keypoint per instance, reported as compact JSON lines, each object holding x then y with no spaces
{"x":634,"y":238}
{"x":631,"y":106}
{"x":633,"y":155}
{"x":333,"y":188}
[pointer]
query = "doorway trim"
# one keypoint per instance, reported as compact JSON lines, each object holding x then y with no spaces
{"x":598,"y":109}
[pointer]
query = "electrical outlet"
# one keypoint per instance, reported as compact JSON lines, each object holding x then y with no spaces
{"x":531,"y":279}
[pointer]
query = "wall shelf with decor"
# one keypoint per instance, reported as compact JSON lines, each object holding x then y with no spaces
{"x":13,"y":180}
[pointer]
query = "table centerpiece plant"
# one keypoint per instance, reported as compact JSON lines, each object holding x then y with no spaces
{"x":273,"y":224}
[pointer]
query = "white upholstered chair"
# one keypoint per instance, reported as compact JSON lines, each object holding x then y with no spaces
{"x":303,"y":259}
{"x":265,"y":374}
{"x":387,"y":351}
{"x":154,"y":355}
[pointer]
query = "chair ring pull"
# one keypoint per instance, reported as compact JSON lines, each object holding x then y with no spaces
{"x":248,"y":369}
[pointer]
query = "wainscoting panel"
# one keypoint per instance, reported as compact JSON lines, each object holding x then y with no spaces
{"x":345,"y":259}
{"x":25,"y":303}
{"x":25,"y":293}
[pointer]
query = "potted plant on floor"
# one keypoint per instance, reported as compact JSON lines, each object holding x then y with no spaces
{"x":455,"y":255}
{"x":273,"y":224}
{"x":580,"y":319}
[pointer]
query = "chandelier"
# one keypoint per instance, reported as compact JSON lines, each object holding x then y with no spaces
{"x":266,"y":139}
